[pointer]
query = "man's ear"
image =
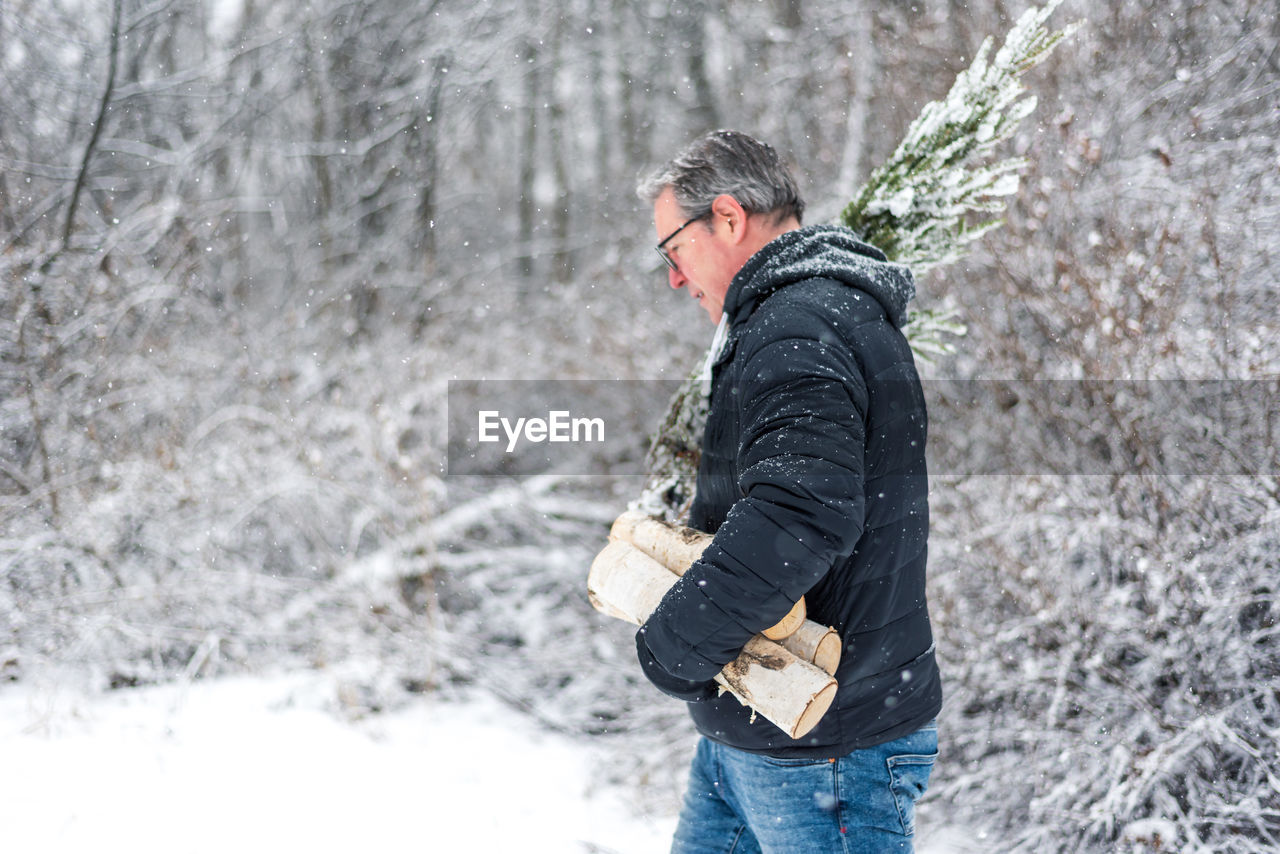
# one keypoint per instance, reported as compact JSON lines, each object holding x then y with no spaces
{"x":725,"y":211}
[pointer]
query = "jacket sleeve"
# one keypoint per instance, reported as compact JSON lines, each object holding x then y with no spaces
{"x":691,"y":691}
{"x":802,"y":406}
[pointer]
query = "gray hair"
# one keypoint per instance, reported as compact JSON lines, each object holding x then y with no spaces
{"x":727,"y":162}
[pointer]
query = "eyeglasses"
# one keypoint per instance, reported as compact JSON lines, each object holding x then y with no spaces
{"x":667,"y":259}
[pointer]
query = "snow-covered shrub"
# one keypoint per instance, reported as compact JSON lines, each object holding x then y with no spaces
{"x":1109,"y":639}
{"x":1124,"y":665}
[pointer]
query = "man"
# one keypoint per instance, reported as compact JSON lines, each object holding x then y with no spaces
{"x":812,"y":478}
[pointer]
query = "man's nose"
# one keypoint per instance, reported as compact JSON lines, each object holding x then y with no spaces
{"x":675,"y":278}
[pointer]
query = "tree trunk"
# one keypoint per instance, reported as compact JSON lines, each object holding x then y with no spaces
{"x":862,"y":72}
{"x":427,"y":134}
{"x":526,"y":206}
{"x":559,"y":148}
{"x":692,"y":27}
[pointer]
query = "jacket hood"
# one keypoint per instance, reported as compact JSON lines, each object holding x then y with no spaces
{"x":820,"y":251}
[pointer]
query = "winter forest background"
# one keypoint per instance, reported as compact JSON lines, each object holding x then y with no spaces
{"x":244,"y":246}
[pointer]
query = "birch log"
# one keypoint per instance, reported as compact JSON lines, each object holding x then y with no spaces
{"x":783,"y":688}
{"x":816,"y":644}
{"x":676,"y":547}
{"x":633,"y":588}
{"x":626,"y":583}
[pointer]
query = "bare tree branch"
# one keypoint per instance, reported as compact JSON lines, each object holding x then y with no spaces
{"x":103,"y":105}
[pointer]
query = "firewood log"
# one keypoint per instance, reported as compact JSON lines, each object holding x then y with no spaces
{"x":780,"y":686}
{"x":816,"y":644}
{"x":676,"y":547}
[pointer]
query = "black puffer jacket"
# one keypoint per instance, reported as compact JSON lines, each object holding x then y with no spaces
{"x":813,"y":481}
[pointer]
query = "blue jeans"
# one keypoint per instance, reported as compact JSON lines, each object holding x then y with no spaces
{"x":862,"y":803}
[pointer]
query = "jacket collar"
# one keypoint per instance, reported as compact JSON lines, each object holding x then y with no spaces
{"x":819,"y":251}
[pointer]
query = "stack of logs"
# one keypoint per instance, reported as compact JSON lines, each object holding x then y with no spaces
{"x":784,"y":674}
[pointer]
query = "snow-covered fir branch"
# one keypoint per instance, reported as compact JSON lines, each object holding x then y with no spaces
{"x":916,"y":207}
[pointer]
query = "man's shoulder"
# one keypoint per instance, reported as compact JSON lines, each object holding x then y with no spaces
{"x":814,"y":307}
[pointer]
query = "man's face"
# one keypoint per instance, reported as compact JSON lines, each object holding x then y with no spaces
{"x":704,"y":261}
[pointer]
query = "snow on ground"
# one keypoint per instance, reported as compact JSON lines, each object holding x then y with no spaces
{"x":259,"y":765}
{"x":265,"y":765}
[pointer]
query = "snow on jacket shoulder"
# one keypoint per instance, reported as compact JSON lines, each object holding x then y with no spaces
{"x":813,"y":481}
